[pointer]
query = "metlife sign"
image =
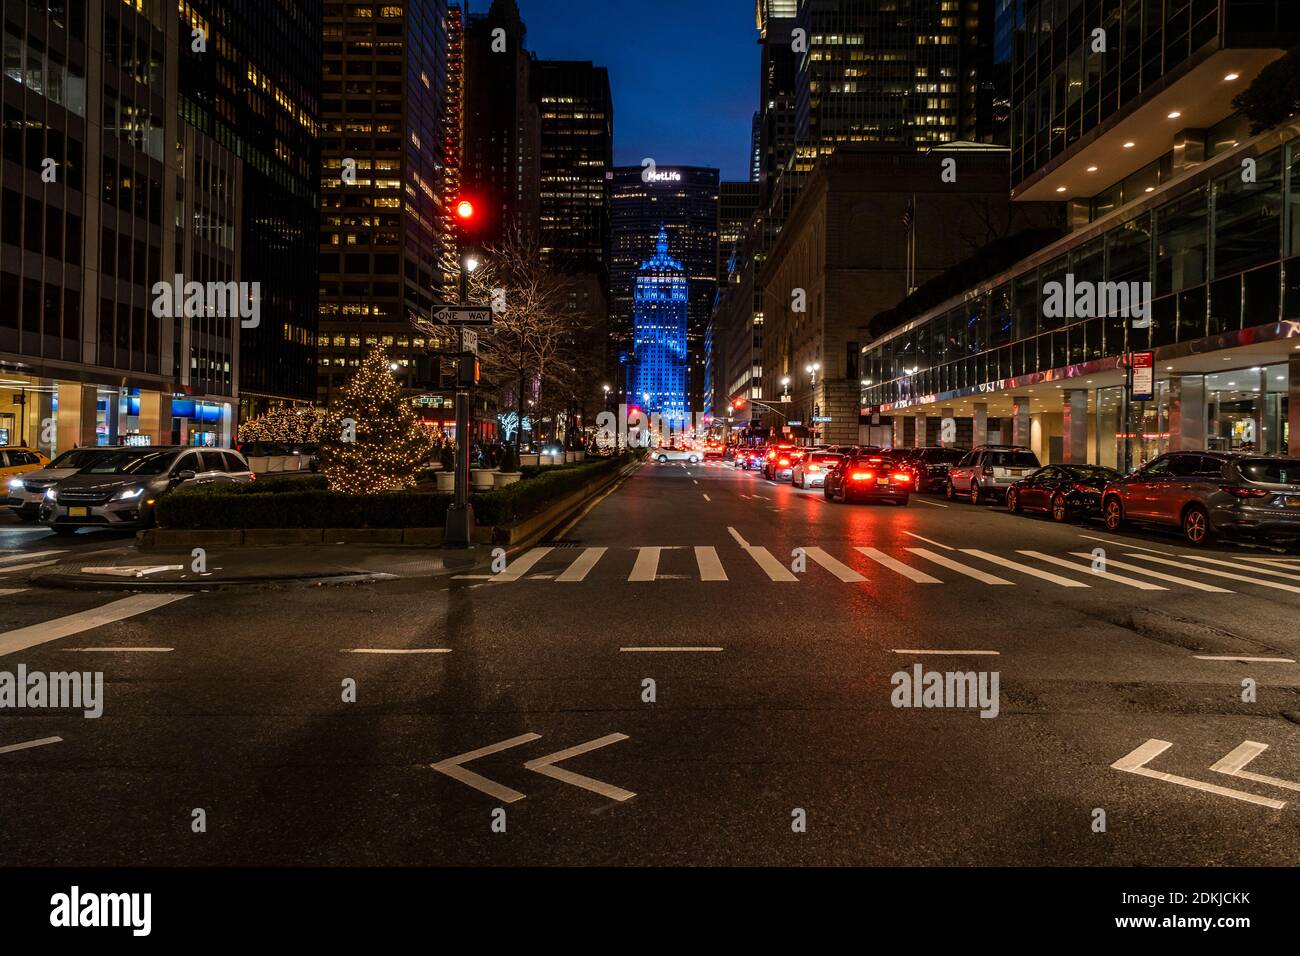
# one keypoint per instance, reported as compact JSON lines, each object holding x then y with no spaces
{"x":663,"y":177}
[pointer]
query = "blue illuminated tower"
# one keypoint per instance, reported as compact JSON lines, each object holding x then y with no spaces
{"x":661,"y":368}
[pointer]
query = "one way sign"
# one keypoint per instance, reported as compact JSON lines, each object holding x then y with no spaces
{"x":464,"y":315}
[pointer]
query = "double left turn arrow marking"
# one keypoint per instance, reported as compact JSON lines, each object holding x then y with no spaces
{"x":454,"y":767}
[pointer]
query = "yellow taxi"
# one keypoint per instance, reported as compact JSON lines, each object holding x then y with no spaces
{"x":17,"y":460}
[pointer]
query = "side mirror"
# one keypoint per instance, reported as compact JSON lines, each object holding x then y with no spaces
{"x":183,"y":476}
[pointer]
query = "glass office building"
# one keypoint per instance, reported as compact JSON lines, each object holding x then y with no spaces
{"x":660,"y":367}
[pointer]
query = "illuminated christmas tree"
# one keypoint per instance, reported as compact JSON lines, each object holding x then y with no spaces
{"x":378,"y":446}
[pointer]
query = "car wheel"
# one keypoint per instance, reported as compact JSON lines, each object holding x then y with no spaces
{"x":1196,"y":526}
{"x":952,"y":490}
{"x":975,"y":492}
{"x":1060,"y":510}
{"x":797,"y":484}
{"x":1113,"y":513}
{"x":826,"y":492}
{"x":694,"y":460}
{"x":1013,"y":501}
{"x":663,"y":459}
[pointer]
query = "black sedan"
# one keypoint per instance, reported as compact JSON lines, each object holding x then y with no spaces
{"x":1066,"y":492}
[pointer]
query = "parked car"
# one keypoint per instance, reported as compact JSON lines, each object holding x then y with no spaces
{"x":664,"y":455}
{"x":1207,"y":493}
{"x":868,"y":478}
{"x":772,"y":455}
{"x":120,"y":489}
{"x":989,"y":470}
{"x":810,"y":471}
{"x":930,"y":465}
{"x":1066,"y":492}
{"x":18,"y":460}
{"x":28,"y":491}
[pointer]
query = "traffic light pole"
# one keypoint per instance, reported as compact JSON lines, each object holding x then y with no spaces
{"x":459,"y":532}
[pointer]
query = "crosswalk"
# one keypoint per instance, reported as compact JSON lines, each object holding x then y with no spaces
{"x":933,"y":565}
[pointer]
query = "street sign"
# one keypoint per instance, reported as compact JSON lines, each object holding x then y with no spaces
{"x":1144,"y":369}
{"x":464,"y":315}
{"x":821,"y":419}
{"x":469,"y":341}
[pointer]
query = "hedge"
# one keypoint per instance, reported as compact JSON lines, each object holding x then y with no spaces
{"x":305,"y":503}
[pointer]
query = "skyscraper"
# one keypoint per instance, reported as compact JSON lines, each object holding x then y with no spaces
{"x":383,"y":154}
{"x":661,"y":371}
{"x":737,"y":203}
{"x":683,"y":202}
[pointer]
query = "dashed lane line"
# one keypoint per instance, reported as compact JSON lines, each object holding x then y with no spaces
{"x":945,"y":653}
{"x":28,"y":744}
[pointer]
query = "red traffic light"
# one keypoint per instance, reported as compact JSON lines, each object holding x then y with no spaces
{"x":465,"y":210}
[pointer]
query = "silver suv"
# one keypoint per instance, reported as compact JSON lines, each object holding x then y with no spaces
{"x":989,"y":470}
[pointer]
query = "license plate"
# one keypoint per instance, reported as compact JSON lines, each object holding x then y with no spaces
{"x":1293,"y":502}
{"x":1016,"y":472}
{"x":78,"y":512}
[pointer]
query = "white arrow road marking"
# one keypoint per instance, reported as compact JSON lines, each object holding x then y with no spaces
{"x":452,"y":768}
{"x":1233,"y":763}
{"x":28,"y":744}
{"x":546,"y":766}
{"x":1137,"y":761}
{"x":24,"y":637}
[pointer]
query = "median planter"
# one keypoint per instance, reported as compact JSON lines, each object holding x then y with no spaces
{"x":503,"y":478}
{"x":482,"y":478}
{"x":446,"y":481}
{"x":529,"y":461}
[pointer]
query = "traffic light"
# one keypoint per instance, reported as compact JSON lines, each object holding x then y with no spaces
{"x":467,"y":371}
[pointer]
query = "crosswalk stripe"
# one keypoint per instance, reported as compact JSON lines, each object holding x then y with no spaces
{"x":647,"y":564}
{"x":1158,"y":575}
{"x":28,"y":555}
{"x":31,"y":566}
{"x":837,"y":568}
{"x":710,"y":564}
{"x":1228,"y":575}
{"x":906,"y":570}
{"x":773,"y":568}
{"x":5,"y":592}
{"x":1106,"y":575}
{"x":1025,"y":568}
{"x":24,"y":637}
{"x":1244,"y":567}
{"x":582,"y":566}
{"x":960,"y":568}
{"x":521,"y":565}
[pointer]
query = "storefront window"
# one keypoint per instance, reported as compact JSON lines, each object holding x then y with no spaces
{"x":1247,"y":216}
{"x":1181,"y":243}
{"x":1248,"y":410}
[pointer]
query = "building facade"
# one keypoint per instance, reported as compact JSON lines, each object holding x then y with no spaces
{"x":683,"y":202}
{"x":661,"y":372}
{"x":1175,"y":202}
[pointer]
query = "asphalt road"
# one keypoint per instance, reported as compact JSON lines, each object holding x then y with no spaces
{"x":768,"y":735}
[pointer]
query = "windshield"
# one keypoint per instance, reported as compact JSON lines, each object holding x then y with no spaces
{"x":823,"y":456}
{"x":1093,"y":471}
{"x":76,"y":458}
{"x":1272,"y":471}
{"x":131,"y":462}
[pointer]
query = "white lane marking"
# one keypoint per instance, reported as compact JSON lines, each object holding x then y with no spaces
{"x":1277,"y":586}
{"x":736,"y":534}
{"x":647,"y":564}
{"x":118,"y":650}
{"x":397,"y":650}
{"x":28,"y":556}
{"x":1158,"y":575}
{"x":1106,"y":575}
{"x":1136,"y":762}
{"x":835,"y":567}
{"x":932,"y":504}
{"x":707,"y":498}
{"x":472,"y":577}
{"x":28,"y":744}
{"x":133,"y":571}
{"x":770,"y":565}
{"x":582,"y":565}
{"x":1121,"y":544}
{"x":1243,"y":660}
{"x":14,"y":569}
{"x":1025,"y":568}
{"x":669,"y":650}
{"x":5,"y":592}
{"x":24,"y":637}
{"x":960,"y":568}
{"x":1233,"y":765}
{"x":710,"y":564}
{"x":937,"y":544}
{"x":521,"y":565}
{"x":452,"y":768}
{"x":1272,"y":572}
{"x":920,"y":577}
{"x":911,"y":650}
{"x":1276,"y":559}
{"x":546,"y":766}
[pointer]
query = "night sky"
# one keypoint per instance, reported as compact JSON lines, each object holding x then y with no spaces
{"x":684,"y":73}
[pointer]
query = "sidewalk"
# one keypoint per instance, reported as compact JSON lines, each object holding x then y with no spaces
{"x":126,"y":568}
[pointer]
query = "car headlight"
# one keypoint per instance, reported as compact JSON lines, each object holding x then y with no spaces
{"x":16,"y":484}
{"x":49,"y":494}
{"x":127,"y":494}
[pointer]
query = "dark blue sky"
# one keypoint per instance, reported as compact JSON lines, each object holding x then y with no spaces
{"x":684,"y":73}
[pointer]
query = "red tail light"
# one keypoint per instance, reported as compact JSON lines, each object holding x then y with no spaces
{"x":252,"y":476}
{"x":813,"y":468}
{"x":875,"y":461}
{"x":1245,"y":492}
{"x":862,"y":475}
{"x":902,"y":476}
{"x":783,"y":462}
